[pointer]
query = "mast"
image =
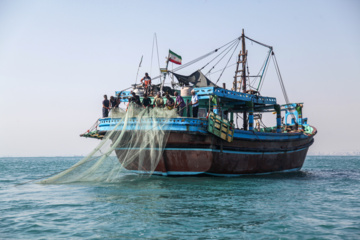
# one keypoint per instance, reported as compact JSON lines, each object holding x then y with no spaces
{"x":234,"y":88}
{"x":243,"y":78}
{"x":244,"y":55}
{"x":242,"y":58}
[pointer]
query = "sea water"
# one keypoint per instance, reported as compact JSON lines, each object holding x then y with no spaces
{"x":322,"y":201}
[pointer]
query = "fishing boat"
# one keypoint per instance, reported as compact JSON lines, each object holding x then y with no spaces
{"x":214,"y":143}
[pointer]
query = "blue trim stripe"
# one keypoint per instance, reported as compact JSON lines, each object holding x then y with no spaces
{"x":251,"y":174}
{"x":213,"y":150}
{"x":175,"y":173}
{"x":169,"y":173}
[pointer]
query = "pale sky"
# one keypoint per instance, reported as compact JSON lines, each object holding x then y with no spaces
{"x":58,"y":58}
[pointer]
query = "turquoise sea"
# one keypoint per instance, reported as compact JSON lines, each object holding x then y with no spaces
{"x":322,"y":201}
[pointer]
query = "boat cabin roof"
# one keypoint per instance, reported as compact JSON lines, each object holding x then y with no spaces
{"x":231,"y":99}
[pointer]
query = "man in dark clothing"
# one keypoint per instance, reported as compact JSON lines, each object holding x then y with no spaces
{"x":146,"y":101}
{"x":113,"y":102}
{"x":106,"y":107}
{"x":135,"y":99}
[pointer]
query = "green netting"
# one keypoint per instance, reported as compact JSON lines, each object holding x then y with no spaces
{"x":308,"y":129}
{"x":137,"y":142}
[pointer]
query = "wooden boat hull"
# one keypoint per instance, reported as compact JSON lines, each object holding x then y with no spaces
{"x":200,"y":153}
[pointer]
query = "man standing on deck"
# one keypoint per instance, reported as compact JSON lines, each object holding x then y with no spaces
{"x":146,"y":102}
{"x":158,"y":101}
{"x":169,"y":102}
{"x":194,"y":103}
{"x":106,"y":107}
{"x":113,"y":102}
{"x":215,"y":103}
{"x":146,"y":81}
{"x":179,"y":104}
{"x":135,"y":99}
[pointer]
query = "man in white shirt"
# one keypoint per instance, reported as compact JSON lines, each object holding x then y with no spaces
{"x":194,"y":103}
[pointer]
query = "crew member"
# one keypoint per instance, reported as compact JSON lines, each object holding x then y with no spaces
{"x":135,"y":99}
{"x":106,"y":107}
{"x":169,"y":102}
{"x":158,"y":101}
{"x":117,"y":102}
{"x":215,"y":103}
{"x":194,"y":103}
{"x":146,"y":102}
{"x":113,"y":102}
{"x":179,"y":104}
{"x":146,"y":81}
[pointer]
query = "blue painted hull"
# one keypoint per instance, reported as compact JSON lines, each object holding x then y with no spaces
{"x":186,"y":162}
{"x":191,"y":150}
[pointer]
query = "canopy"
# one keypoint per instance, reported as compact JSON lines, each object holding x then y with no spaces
{"x":198,"y":79}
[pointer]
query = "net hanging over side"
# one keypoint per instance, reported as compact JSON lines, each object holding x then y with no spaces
{"x":136,"y":142}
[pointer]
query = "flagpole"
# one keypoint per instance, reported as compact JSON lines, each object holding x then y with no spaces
{"x":175,"y":58}
{"x":138,"y":69}
{"x":172,"y":69}
{"x":167,"y":64}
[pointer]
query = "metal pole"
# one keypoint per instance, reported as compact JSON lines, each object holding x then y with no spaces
{"x":162,"y":84}
{"x":245,"y":123}
{"x":137,"y":74}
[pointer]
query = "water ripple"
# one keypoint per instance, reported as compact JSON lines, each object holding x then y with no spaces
{"x":319,"y":202}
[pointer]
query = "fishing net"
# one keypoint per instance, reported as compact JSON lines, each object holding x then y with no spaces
{"x":136,"y":141}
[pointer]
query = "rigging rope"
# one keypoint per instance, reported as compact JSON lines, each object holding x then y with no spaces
{"x":265,"y":72}
{"x":189,"y":63}
{"x":229,"y":47}
{"x":237,"y":44}
{"x":262,"y":123}
{"x":264,"y":75}
{"x":280,"y":80}
{"x":199,"y":58}
{"x":157,"y":48}
{"x":152,"y":54}
{"x":228,"y":61}
{"x":267,"y":59}
{"x":282,"y":85}
{"x":221,"y":69}
{"x":137,"y":74}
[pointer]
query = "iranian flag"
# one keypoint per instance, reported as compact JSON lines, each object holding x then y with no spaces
{"x":173,"y":57}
